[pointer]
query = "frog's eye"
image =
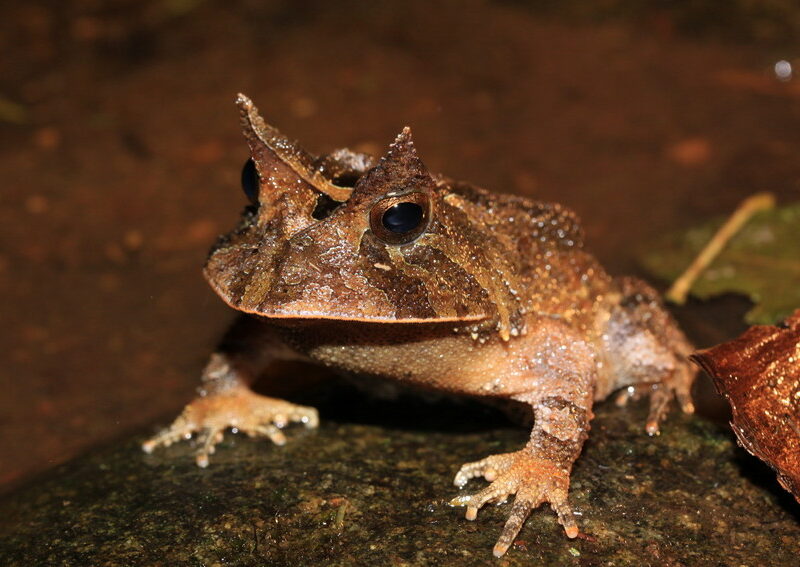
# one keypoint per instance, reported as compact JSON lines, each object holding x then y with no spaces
{"x":250,"y":181}
{"x":400,"y":219}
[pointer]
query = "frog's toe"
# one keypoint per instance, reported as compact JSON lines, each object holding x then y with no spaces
{"x":661,"y":396}
{"x":487,"y":468}
{"x":269,"y":431}
{"x":496,"y":493}
{"x":182,"y":429}
{"x":176,"y":432}
{"x":683,"y":394}
{"x":208,"y":441}
{"x":660,"y":399}
{"x":633,"y":392}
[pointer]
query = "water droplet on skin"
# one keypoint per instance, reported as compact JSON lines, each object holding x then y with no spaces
{"x":292,"y":275}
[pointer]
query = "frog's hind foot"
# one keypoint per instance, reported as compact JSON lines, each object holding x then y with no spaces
{"x":661,"y":395}
{"x":533,"y":480}
{"x":238,"y":409}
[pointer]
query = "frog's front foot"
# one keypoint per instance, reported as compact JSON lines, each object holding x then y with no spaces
{"x":237,"y":408}
{"x":534,"y":481}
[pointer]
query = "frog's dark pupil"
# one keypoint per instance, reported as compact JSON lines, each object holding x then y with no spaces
{"x":403,"y":217}
{"x":250,"y":181}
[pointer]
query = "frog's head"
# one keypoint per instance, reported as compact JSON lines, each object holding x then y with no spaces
{"x":348,"y":238}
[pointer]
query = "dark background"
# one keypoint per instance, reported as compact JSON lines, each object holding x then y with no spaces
{"x":120,"y":155}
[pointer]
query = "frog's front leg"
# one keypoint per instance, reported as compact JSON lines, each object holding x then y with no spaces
{"x":540,"y":472}
{"x":225,"y":399}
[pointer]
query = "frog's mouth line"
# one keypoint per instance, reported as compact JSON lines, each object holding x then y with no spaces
{"x":318,"y":315}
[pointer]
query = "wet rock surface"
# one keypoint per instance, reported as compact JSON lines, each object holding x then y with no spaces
{"x":373,"y":492}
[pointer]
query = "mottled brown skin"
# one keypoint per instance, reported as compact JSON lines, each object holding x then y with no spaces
{"x":488,"y":295}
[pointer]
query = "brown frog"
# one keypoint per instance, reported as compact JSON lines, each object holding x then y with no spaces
{"x":383,"y":269}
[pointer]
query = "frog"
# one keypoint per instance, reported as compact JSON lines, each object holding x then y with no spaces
{"x":381,"y":269}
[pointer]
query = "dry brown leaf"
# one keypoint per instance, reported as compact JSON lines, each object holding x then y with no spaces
{"x":759,"y":374}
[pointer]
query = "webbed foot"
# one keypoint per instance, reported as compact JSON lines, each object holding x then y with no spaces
{"x":237,"y":408}
{"x":533,"y":480}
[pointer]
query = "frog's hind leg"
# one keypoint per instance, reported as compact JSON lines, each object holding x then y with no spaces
{"x":648,"y":353}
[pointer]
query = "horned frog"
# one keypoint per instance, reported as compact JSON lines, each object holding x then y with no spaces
{"x":383,"y":269}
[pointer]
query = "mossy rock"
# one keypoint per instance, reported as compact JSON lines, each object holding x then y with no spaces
{"x":375,"y":494}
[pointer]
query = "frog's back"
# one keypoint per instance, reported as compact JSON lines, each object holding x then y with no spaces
{"x":533,"y":224}
{"x":556,"y":275}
